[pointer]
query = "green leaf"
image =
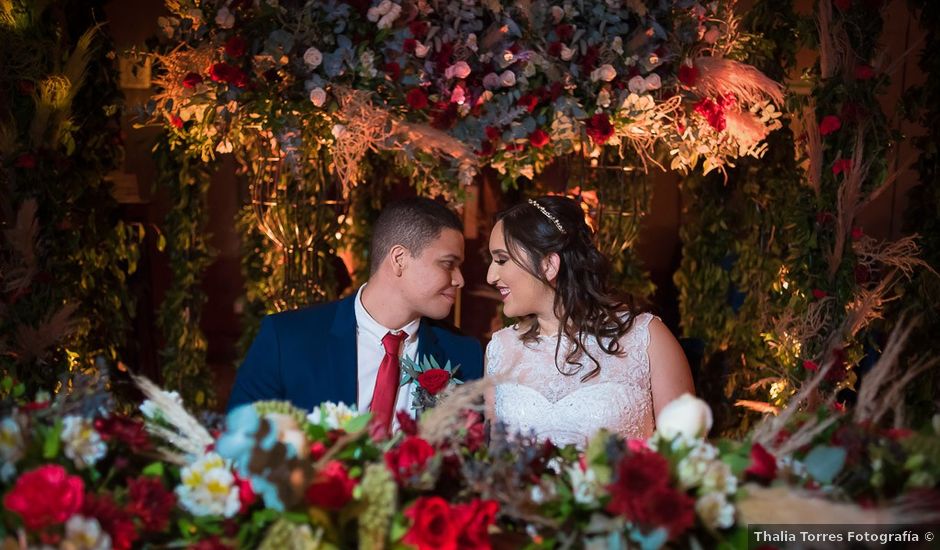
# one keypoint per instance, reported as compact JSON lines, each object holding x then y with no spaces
{"x":154,"y":469}
{"x":824,"y":463}
{"x":52,"y":441}
{"x":358,"y":423}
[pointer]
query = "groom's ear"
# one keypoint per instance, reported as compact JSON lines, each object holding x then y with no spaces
{"x":550,"y":266}
{"x":397,"y":255}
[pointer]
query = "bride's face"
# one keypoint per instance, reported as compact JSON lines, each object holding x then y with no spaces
{"x":522,"y":293}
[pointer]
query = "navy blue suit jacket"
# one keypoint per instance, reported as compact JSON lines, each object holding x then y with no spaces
{"x":308,"y":356}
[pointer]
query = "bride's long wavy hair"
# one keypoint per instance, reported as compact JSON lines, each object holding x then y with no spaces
{"x":584,"y":303}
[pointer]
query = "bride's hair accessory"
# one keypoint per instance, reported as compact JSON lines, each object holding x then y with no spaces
{"x":548,"y":215}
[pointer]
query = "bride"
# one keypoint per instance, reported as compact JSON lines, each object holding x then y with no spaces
{"x":579,"y":359}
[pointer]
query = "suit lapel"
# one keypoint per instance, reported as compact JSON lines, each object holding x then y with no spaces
{"x":344,"y":373}
{"x":429,"y":345}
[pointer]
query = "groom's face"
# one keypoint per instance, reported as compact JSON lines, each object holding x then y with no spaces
{"x":430,"y":280}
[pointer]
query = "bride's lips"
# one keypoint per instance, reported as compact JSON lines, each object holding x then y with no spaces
{"x":504,"y":292}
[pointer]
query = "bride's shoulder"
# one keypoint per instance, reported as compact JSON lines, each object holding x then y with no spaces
{"x":505,"y":335}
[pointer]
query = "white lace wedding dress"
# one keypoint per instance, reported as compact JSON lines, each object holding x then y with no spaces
{"x":533,"y":397}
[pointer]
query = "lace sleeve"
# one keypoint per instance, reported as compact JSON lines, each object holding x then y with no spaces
{"x":493,"y":354}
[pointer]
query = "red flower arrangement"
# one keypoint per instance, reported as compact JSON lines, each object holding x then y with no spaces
{"x":332,"y":489}
{"x":45,"y":496}
{"x":228,"y":74}
{"x":763,"y":464}
{"x":417,"y":99}
{"x":539,"y":138}
{"x":599,"y":128}
{"x":408,"y":458}
{"x":438,"y":525}
{"x":829,"y":124}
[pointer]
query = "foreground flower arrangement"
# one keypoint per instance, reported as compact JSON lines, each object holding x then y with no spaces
{"x":508,"y":85}
{"x":79,"y":475}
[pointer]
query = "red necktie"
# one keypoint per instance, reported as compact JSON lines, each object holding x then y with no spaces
{"x":386,"y":386}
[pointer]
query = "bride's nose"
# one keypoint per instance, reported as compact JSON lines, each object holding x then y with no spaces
{"x":491,"y":276}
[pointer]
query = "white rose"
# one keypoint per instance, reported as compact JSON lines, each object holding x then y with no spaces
{"x":605,"y":72}
{"x":557,"y":14}
{"x":566,"y":53}
{"x":637,"y":84}
{"x":313,"y":57}
{"x":507,"y":79}
{"x":338,"y":130}
{"x":719,"y":479}
{"x":617,"y":45}
{"x":491,"y":81}
{"x":225,"y":18}
{"x":318,"y":97}
{"x":386,"y":21}
{"x":686,"y":415}
{"x":376,"y":13}
{"x":653,"y":82}
{"x":421,"y":50}
{"x":459,"y":69}
{"x":715,"y":511}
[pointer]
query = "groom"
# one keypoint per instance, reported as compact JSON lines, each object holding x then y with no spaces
{"x":349,"y":351}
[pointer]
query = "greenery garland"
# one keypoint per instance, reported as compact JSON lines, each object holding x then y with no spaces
{"x":187,"y":179}
{"x":65,"y":256}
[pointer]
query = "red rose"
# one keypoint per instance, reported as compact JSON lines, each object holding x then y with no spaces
{"x":419,"y":29}
{"x":688,"y":75}
{"x":26,"y":160}
{"x":417,"y":99}
{"x":841,"y":166}
{"x":829,"y":124}
{"x":564,"y":32}
{"x":176,"y":122}
{"x":819,"y":294}
{"x":636,"y":476}
{"x":713,"y":112}
{"x":432,"y":526}
{"x":408,"y":458}
{"x":393,"y":70}
{"x":434,"y":380}
{"x":406,"y":423}
{"x":124,"y":429}
{"x":669,"y":508}
{"x":864,"y":72}
{"x":763,"y":464}
{"x":539,"y":138}
{"x":151,"y":502}
{"x":475,"y":518}
{"x":228,"y":74}
{"x":409,"y":45}
{"x":810,"y":365}
{"x":493,"y":133}
{"x":332,"y":488}
{"x":116,"y":522}
{"x":235,"y":47}
{"x":599,"y":128}
{"x":45,"y":496}
{"x":554,"y":49}
{"x":529,"y":101}
{"x":191,"y":80}
{"x":857,"y":233}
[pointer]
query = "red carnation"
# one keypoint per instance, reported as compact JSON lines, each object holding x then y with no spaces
{"x":669,"y":508}
{"x":332,"y":488}
{"x":26,"y":160}
{"x":432,"y":527}
{"x":124,"y":429}
{"x":151,"y":502}
{"x":539,"y":138}
{"x":829,"y":124}
{"x":228,"y":74}
{"x":45,"y":496}
{"x":417,"y":99}
{"x":116,"y":522}
{"x":434,"y":380}
{"x":191,"y":80}
{"x":688,"y":74}
{"x":864,"y":72}
{"x":637,"y":475}
{"x":599,"y":128}
{"x":235,"y":47}
{"x":763,"y":464}
{"x":840,"y":166}
{"x":408,"y":458}
{"x":475,"y":518}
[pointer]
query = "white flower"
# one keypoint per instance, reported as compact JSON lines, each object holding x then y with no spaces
{"x":566,"y":53}
{"x":617,"y":45}
{"x":507,"y":79}
{"x":605,"y":72}
{"x":459,"y":69}
{"x":313,"y":57}
{"x":528,"y":171}
{"x":715,"y":511}
{"x":318,"y":97}
{"x":557,"y":14}
{"x":376,"y":12}
{"x":83,"y":533}
{"x":653,"y":82}
{"x":686,"y":415}
{"x":472,"y":42}
{"x":536,"y":494}
{"x":82,"y":442}
{"x":12,"y":445}
{"x":421,"y":50}
{"x":637,"y":84}
{"x":150,"y":409}
{"x":719,"y":479}
{"x":386,"y":21}
{"x":491,"y":81}
{"x":225,"y":18}
{"x":334,"y":415}
{"x":693,"y":467}
{"x":224,"y":146}
{"x":338,"y":130}
{"x":584,"y":485}
{"x":207,"y":487}
{"x":367,"y":64}
{"x":603,"y":98}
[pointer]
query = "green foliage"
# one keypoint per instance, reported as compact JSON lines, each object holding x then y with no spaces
{"x":58,"y":88}
{"x":186,"y":178}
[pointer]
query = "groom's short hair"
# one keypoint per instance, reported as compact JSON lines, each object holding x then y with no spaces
{"x":413,"y":223}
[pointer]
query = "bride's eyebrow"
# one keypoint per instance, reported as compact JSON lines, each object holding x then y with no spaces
{"x":498,"y":251}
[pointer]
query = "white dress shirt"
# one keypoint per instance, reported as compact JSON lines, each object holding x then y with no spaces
{"x":370,"y":352}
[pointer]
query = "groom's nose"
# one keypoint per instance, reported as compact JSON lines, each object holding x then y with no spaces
{"x":457,"y":278}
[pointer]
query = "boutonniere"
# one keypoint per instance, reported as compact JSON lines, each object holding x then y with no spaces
{"x":431,"y":380}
